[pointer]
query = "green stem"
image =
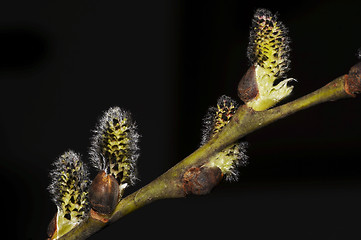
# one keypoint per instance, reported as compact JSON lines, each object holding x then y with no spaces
{"x":245,"y":121}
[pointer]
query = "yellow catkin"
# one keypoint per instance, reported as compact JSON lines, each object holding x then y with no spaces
{"x":69,"y":190}
{"x":224,"y":113}
{"x":114,"y":146}
{"x":232,"y":156}
{"x":269,"y":52}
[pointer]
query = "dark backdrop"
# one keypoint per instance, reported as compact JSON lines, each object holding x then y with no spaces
{"x":63,"y":63}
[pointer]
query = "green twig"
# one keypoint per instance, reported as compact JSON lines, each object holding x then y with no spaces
{"x":245,"y":121}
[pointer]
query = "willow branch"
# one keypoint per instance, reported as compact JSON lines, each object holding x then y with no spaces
{"x":172,"y":184}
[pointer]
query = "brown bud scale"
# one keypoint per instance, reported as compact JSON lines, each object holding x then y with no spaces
{"x":247,"y":87}
{"x":104,"y":193}
{"x":201,"y":180}
{"x":52,"y":226}
{"x":353,"y":80}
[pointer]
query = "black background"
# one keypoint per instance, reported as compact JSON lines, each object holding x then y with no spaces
{"x":63,"y":63}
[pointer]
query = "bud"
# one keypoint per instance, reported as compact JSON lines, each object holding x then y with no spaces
{"x":200,"y":181}
{"x":104,"y":193}
{"x":353,"y":80}
{"x":248,"y":87}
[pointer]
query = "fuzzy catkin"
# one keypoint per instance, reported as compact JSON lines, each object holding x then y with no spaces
{"x":233,"y":156}
{"x":269,"y":43}
{"x":114,"y":146}
{"x":217,"y":117}
{"x":69,"y":186}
